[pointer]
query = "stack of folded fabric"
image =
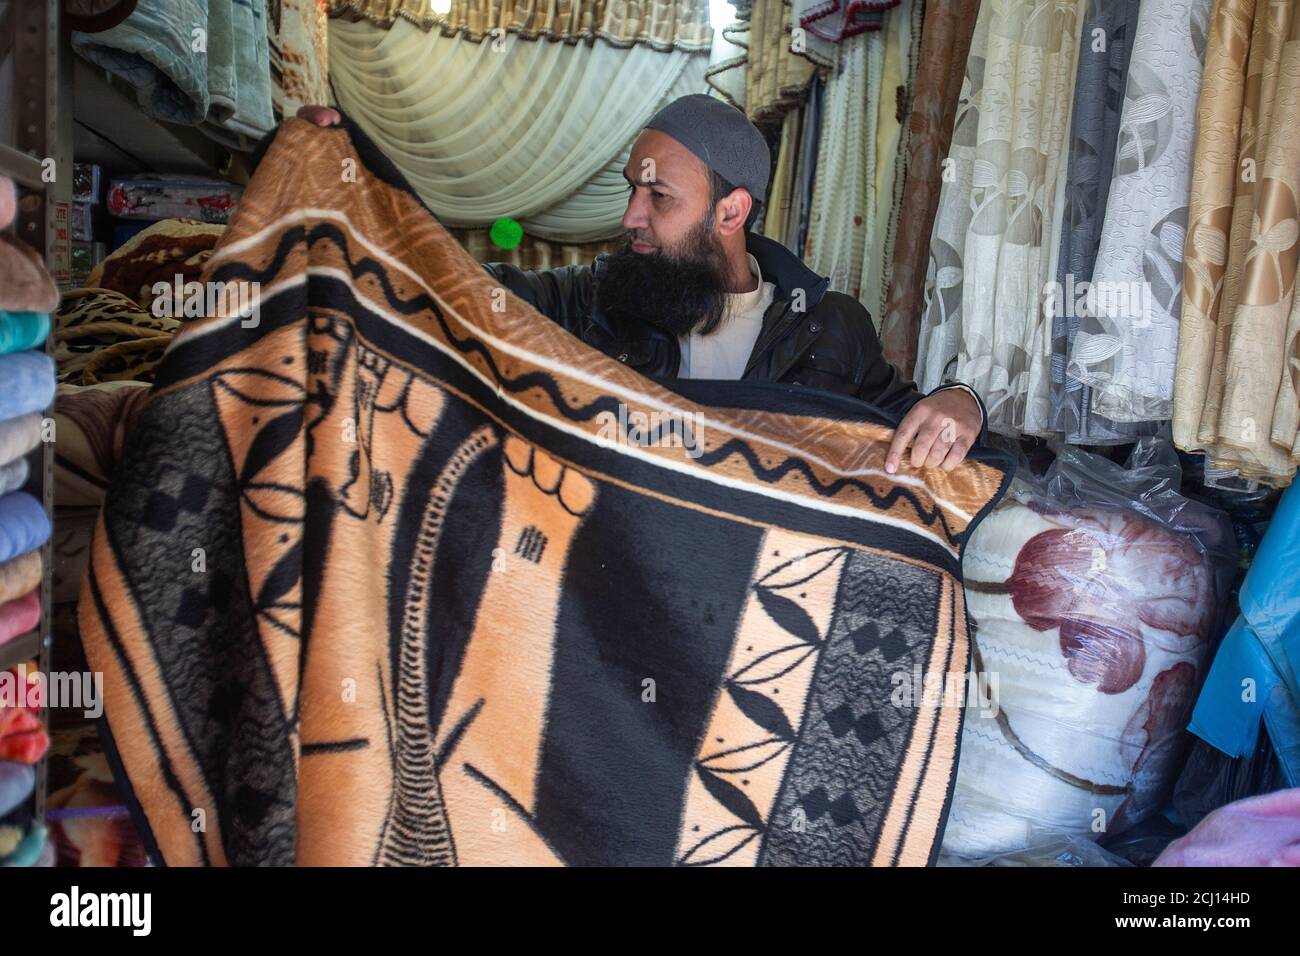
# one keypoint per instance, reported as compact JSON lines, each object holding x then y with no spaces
{"x":27,"y":297}
{"x":23,"y":742}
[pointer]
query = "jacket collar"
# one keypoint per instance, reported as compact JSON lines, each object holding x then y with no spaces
{"x":785,"y":270}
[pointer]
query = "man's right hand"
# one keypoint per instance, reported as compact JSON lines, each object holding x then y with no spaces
{"x":321,"y":115}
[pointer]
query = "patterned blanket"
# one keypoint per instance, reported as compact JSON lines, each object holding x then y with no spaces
{"x":399,"y":572}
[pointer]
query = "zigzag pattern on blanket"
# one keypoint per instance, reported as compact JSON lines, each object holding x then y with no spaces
{"x":404,"y":573}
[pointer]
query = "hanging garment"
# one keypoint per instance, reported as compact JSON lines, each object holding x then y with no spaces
{"x":843,"y":212}
{"x":997,"y":231}
{"x":805,"y":174}
{"x":299,"y":51}
{"x":536,"y":131}
{"x":1239,"y":347}
{"x":941,"y":61}
{"x":1094,"y":129}
{"x":394,"y":480}
{"x":1126,"y":352}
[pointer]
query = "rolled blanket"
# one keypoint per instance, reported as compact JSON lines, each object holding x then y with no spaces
{"x":23,"y":738}
{"x":19,"y":575}
{"x":20,"y":615}
{"x":13,"y":475}
{"x":25,"y":286}
{"x":158,"y":253}
{"x":20,"y":331}
{"x":28,"y":380}
{"x":17,"y":781}
{"x":19,"y":435}
{"x":636,"y":625}
{"x":23,"y":524}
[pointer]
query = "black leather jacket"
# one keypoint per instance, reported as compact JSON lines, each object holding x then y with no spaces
{"x":820,"y":339}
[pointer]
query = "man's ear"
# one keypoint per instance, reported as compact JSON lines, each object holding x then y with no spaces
{"x":733,"y":210}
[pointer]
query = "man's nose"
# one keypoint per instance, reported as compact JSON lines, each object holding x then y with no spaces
{"x":636,"y":216}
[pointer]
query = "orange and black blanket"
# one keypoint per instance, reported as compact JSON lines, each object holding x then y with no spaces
{"x":397,"y":571}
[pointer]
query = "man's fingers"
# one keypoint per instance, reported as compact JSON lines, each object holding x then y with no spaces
{"x":939,"y":450}
{"x":957,"y":453}
{"x":320,"y":115}
{"x":924,"y":444}
{"x":905,"y":432}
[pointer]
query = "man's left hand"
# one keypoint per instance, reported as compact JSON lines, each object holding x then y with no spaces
{"x":940,"y":428}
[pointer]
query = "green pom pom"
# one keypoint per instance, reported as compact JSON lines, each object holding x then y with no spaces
{"x":506,"y":233}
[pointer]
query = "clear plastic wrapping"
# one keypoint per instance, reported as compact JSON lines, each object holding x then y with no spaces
{"x":1095,"y":594}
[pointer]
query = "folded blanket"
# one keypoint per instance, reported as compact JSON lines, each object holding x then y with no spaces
{"x":20,"y":435}
{"x":245,"y":67}
{"x":102,"y":335}
{"x":453,"y":573}
{"x":20,"y":615}
{"x":23,"y":524}
{"x":25,"y":286}
{"x":13,"y":475}
{"x":22,"y":734}
{"x":19,"y":575}
{"x":16,"y":784}
{"x":154,"y":51}
{"x":158,"y":253}
{"x":20,"y":331}
{"x":29,"y":850}
{"x":29,"y":384}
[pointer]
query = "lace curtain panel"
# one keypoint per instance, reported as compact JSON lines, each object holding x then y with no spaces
{"x":1238,"y":367}
{"x":535,"y":130}
{"x":660,"y":24}
{"x":1125,"y":351}
{"x":997,"y":230}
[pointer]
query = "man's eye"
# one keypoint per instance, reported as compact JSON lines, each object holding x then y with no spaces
{"x":658,"y":195}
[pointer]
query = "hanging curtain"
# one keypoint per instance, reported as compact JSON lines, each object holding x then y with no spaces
{"x":1239,"y":344}
{"x":945,"y":44}
{"x":770,"y":76}
{"x":660,"y":24}
{"x":1094,"y":131}
{"x":998,"y":227}
{"x":1126,"y":352}
{"x":843,"y":201}
{"x":537,"y":131}
{"x":902,"y":38}
{"x":299,"y":39}
{"x":837,"y":20}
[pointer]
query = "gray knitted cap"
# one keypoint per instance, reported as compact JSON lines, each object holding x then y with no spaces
{"x":722,"y":136}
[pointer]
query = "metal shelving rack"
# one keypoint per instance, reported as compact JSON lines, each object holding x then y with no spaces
{"x":35,"y":129}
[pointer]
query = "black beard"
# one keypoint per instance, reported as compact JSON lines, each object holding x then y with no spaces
{"x":679,"y":293}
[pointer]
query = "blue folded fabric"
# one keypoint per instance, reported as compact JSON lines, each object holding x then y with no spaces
{"x":19,"y":435}
{"x":13,"y":475}
{"x":24,"y":525}
{"x":26,"y":383}
{"x":20,"y":331}
{"x":16,"y":784}
{"x":29,"y":850}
